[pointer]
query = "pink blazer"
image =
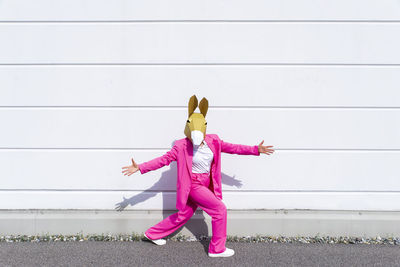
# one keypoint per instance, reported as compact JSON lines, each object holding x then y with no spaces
{"x":182,"y":153}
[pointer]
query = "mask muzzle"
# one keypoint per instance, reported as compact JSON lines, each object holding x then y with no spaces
{"x":197,"y":137}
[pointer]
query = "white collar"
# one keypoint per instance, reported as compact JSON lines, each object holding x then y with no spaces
{"x":200,"y":146}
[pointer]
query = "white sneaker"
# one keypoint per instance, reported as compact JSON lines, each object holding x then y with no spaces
{"x":159,"y":242}
{"x":227,"y":253}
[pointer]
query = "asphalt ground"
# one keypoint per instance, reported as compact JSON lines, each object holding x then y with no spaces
{"x":175,"y":253}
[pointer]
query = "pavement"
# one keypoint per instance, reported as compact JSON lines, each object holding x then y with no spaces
{"x":185,"y":253}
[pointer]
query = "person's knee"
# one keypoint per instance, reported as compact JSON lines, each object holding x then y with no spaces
{"x":221,"y":210}
{"x":185,"y":214}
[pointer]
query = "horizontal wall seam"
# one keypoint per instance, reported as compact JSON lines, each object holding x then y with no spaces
{"x":225,"y":191}
{"x":172,"y":210}
{"x":210,"y":107}
{"x":205,"y":64}
{"x":165,"y":149}
{"x":364,"y":21}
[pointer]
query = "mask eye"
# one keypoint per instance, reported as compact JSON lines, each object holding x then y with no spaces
{"x":188,"y":121}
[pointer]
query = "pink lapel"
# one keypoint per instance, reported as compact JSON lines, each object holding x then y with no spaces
{"x":189,"y":154}
{"x":189,"y":151}
{"x":210,"y":143}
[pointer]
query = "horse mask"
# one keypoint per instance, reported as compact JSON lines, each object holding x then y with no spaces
{"x":196,"y":124}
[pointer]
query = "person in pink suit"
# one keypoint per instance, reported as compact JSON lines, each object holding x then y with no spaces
{"x":198,"y":158}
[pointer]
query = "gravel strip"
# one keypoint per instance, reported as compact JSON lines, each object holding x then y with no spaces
{"x":182,"y":238}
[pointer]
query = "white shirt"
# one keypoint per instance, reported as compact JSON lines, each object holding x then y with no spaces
{"x":202,"y":158}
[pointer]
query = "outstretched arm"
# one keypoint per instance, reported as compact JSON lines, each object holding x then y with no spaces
{"x":245,"y":149}
{"x":152,"y":164}
{"x":239,"y":149}
{"x":159,"y":162}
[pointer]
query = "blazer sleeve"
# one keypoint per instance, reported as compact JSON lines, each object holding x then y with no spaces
{"x":239,"y":149}
{"x":159,"y":162}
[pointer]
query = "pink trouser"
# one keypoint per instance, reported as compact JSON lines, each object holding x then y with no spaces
{"x":199,"y":196}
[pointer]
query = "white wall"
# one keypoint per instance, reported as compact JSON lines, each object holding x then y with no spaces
{"x":86,"y":85}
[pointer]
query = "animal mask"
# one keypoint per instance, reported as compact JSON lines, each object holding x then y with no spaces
{"x":196,"y":124}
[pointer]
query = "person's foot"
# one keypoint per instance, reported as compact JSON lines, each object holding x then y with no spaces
{"x":227,"y":253}
{"x":159,"y":242}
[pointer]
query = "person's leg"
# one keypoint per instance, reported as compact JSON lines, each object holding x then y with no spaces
{"x":172,"y":222}
{"x":207,"y":201}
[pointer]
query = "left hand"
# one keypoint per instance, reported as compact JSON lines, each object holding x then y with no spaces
{"x":265,"y":149}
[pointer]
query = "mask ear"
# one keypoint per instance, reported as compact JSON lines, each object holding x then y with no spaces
{"x":192,"y":104}
{"x":203,"y":106}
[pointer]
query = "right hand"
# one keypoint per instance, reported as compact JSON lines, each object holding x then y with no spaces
{"x":130,"y":169}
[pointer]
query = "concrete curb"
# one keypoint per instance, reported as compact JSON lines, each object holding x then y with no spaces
{"x":308,"y":223}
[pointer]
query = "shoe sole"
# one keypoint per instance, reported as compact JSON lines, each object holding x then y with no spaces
{"x":219,"y":256}
{"x":213,"y":255}
{"x":153,"y":241}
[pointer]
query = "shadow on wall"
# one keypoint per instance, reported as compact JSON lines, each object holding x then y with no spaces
{"x":196,"y":227}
